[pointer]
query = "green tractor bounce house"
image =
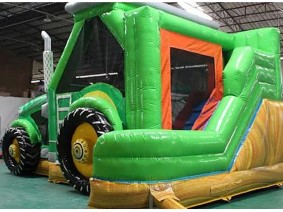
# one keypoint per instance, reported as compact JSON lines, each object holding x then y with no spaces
{"x":150,"y":105}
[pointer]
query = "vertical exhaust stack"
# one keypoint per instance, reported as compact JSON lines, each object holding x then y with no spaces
{"x":47,"y":60}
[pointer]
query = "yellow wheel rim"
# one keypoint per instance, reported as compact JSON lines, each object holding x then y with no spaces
{"x":14,"y":150}
{"x":83,"y":140}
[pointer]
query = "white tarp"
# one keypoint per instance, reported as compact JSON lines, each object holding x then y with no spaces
{"x":9,"y":111}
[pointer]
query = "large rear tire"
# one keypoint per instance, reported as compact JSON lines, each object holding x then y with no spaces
{"x":77,"y":136}
{"x":20,"y":155}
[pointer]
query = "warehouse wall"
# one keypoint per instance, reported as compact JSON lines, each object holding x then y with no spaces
{"x":15,"y":74}
{"x":37,"y":70}
{"x":9,"y":107}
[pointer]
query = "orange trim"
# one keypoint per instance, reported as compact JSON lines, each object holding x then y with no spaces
{"x":166,"y":81}
{"x":174,"y":40}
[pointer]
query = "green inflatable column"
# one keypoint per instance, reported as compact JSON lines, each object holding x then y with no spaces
{"x":52,"y":104}
{"x":143,"y":77}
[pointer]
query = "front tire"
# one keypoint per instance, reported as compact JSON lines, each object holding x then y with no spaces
{"x":78,"y":134}
{"x":20,"y":155}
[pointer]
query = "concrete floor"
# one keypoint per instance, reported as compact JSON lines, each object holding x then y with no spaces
{"x":269,"y":198}
{"x":35,"y":192}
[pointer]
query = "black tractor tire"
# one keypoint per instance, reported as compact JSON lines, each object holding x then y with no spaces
{"x":81,"y":115}
{"x":29,"y":154}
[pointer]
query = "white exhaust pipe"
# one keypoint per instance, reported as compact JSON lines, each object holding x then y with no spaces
{"x":47,"y":41}
{"x":47,"y":60}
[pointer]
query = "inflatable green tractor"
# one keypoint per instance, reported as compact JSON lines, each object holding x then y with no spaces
{"x":148,"y":101}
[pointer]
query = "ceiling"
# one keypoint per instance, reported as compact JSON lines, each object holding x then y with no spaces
{"x":241,"y":16}
{"x":21,"y":23}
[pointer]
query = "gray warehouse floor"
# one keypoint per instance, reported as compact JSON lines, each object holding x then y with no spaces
{"x":35,"y":192}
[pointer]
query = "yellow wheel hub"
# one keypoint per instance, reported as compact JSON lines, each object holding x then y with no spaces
{"x":14,"y":150}
{"x":83,"y":140}
{"x":80,"y":151}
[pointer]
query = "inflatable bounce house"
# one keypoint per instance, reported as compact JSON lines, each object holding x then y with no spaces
{"x":150,"y":105}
